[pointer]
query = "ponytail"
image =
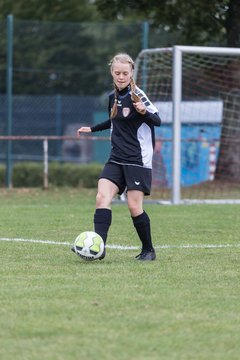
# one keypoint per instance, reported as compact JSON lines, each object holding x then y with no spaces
{"x":114,"y":108}
{"x":135,"y":98}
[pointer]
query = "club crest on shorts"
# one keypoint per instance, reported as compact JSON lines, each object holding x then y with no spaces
{"x":126,"y":111}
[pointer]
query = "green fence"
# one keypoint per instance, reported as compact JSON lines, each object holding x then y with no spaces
{"x":65,"y":58}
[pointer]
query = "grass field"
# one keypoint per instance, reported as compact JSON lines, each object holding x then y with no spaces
{"x":55,"y":306}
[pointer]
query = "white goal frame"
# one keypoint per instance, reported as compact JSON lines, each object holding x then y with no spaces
{"x":178,"y":52}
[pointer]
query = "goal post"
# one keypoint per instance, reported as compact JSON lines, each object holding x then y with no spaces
{"x":196,"y":91}
{"x":176,"y":125}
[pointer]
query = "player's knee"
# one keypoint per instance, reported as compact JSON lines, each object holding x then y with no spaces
{"x":102,"y":200}
{"x":134,"y":208}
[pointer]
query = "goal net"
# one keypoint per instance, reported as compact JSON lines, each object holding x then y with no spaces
{"x":197,"y":93}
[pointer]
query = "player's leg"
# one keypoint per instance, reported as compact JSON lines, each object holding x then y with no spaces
{"x":110,"y":183}
{"x":136,"y":178}
{"x":135,"y":202}
{"x":107,"y":190}
{"x":141,"y":223}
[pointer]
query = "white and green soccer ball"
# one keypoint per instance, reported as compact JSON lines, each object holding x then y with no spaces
{"x":89,"y":245}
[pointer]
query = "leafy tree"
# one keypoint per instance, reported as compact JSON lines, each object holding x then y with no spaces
{"x":68,"y":58}
{"x":50,"y":10}
{"x":202,"y":22}
{"x":47,"y":52}
{"x":66,"y":48}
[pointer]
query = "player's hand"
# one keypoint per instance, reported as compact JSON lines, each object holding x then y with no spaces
{"x":140,"y":107}
{"x":84,"y":129}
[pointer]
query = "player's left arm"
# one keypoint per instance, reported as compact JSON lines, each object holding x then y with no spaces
{"x":146,"y":108}
{"x":152,"y":118}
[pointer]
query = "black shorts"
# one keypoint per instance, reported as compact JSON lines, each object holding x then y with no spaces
{"x":129,"y":177}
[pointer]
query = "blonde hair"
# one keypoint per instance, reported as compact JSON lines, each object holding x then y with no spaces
{"x":125,"y":59}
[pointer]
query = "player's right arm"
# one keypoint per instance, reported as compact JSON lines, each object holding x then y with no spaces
{"x":99,"y":127}
{"x":84,"y":129}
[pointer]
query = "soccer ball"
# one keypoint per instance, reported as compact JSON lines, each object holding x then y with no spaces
{"x":89,"y":245}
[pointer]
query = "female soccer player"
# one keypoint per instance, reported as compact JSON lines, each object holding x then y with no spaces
{"x":132,"y":120}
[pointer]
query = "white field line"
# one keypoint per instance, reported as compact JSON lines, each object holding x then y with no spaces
{"x":120,"y":247}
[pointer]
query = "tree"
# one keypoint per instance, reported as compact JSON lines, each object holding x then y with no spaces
{"x":54,"y":10}
{"x":198,"y":22}
{"x":47,"y":43}
{"x":63,"y":47}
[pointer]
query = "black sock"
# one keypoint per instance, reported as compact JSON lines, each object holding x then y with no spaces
{"x":142,"y":225}
{"x":102,"y":222}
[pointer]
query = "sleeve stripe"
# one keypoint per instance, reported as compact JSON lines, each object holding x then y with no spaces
{"x":150,"y":107}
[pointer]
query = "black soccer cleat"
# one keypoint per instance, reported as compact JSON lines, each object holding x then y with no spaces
{"x":103,"y":254}
{"x":146,"y":255}
{"x":72,"y":248}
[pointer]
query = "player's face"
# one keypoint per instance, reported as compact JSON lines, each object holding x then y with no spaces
{"x":122,"y":74}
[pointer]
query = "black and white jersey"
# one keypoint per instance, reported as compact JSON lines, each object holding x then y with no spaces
{"x":132,"y":134}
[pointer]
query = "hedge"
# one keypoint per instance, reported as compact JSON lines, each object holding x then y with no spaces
{"x":2,"y":175}
{"x":30,"y":174}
